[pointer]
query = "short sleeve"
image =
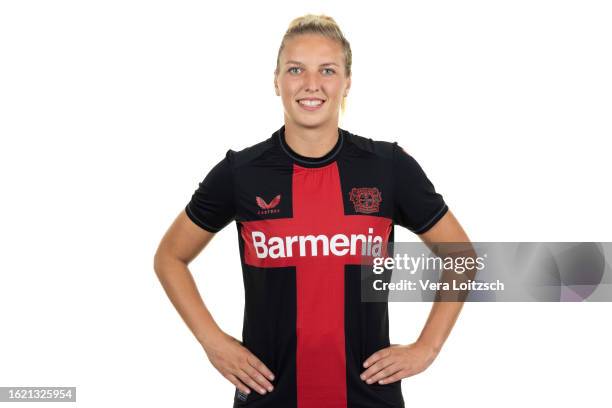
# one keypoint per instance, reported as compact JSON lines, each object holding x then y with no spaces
{"x":212,"y":204}
{"x":417,"y":204}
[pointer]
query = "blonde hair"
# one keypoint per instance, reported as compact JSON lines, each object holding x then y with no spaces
{"x":325,"y":26}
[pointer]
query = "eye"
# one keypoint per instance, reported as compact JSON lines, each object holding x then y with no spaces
{"x":292,"y":68}
{"x":329,"y":69}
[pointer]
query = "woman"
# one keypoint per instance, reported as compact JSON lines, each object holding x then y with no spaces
{"x":302,"y":200}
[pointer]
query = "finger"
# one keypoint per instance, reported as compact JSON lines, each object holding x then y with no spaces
{"x":376,"y":356}
{"x":403,"y":373}
{"x":258,"y":377}
{"x":232,"y":378}
{"x":376,"y":368}
{"x":386,"y":372}
{"x":261,"y":367}
{"x":246,"y":378}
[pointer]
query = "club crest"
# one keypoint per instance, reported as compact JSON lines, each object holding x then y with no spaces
{"x":366,"y":199}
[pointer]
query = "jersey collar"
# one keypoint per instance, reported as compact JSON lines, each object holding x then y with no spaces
{"x":310,"y":161}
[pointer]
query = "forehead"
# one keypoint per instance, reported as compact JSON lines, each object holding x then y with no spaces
{"x":312,"y":48}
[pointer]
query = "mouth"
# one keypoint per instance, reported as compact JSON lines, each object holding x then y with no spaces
{"x":310,"y":104}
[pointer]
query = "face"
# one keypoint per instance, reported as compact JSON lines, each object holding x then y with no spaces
{"x":311,"y":68}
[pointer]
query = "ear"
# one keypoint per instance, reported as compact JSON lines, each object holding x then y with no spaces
{"x":276,"y":90}
{"x":348,"y":86}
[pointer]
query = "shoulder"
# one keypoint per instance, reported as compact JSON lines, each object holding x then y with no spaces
{"x":381,"y":148}
{"x":249,"y":154}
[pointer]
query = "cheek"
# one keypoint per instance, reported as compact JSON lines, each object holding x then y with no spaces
{"x":285,"y":86}
{"x":291,"y":87}
{"x":288,"y":91}
{"x":333,"y":89}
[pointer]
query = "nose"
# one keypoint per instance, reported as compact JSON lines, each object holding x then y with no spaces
{"x":311,"y":81}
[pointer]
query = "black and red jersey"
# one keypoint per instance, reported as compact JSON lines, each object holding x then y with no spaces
{"x":301,"y":224}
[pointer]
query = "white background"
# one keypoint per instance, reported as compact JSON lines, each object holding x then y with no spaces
{"x":112,"y":112}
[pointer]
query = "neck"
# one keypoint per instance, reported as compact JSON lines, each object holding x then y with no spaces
{"x":311,"y":142}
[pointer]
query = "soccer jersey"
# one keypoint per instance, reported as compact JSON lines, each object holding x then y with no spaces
{"x":302,"y":224}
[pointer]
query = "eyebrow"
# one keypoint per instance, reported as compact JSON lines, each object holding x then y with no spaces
{"x":299,"y":63}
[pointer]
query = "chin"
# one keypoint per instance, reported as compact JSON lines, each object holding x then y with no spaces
{"x":311,"y":122}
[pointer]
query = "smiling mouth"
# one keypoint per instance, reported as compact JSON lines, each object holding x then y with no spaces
{"x":311,"y":103}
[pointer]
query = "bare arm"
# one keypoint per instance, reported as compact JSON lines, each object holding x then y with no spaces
{"x":399,"y":361}
{"x":179,"y":246}
{"x":443,"y":314}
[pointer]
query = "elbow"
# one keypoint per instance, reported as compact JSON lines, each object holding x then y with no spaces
{"x":164,"y":262}
{"x":160,"y":260}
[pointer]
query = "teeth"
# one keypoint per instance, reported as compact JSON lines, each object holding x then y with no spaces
{"x":311,"y":102}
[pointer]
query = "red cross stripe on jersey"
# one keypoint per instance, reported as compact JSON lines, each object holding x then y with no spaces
{"x":318,"y":209}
